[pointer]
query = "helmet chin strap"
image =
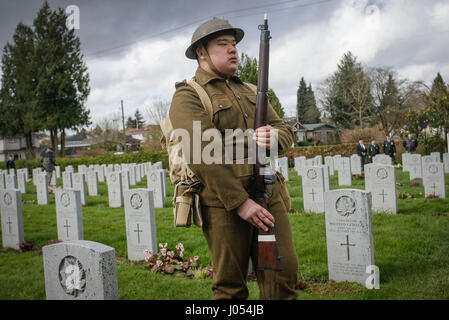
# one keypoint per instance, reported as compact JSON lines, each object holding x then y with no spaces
{"x":209,"y":61}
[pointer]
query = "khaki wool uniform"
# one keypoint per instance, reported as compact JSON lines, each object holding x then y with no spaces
{"x":231,"y":240}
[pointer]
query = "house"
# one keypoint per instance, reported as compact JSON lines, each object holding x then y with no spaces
{"x":320,"y":133}
{"x":16,"y":146}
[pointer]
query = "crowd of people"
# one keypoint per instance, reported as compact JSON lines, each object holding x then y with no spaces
{"x":389,"y":148}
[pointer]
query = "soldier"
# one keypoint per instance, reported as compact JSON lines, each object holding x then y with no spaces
{"x":373,"y":149}
{"x":48,"y":160}
{"x":230,"y":218}
{"x":389,"y":148}
{"x":10,"y":164}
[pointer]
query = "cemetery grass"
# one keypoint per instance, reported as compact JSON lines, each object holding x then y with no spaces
{"x":411,"y":249}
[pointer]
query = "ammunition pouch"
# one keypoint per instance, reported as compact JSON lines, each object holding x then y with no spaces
{"x":186,"y":205}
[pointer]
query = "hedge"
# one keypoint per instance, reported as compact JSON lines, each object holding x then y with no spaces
{"x":345,"y":150}
{"x":137,"y":157}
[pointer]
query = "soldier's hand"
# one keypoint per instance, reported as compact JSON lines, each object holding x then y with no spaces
{"x":265,"y":136}
{"x":255,"y":214}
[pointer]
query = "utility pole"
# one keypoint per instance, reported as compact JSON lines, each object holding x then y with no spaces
{"x":124,"y":135}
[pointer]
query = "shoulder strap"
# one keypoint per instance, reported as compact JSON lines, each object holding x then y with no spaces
{"x":204,"y":97}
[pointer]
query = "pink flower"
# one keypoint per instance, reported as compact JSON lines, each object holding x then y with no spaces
{"x":159,"y":263}
{"x":163,"y":245}
{"x":171,"y":254}
{"x":163,"y":252}
{"x":195,"y":258}
{"x":179,"y":246}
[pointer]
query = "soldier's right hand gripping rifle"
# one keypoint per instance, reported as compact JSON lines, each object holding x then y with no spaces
{"x":268,"y":255}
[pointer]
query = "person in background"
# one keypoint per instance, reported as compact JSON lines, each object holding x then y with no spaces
{"x":48,"y":161}
{"x":389,"y":148}
{"x":10,"y":163}
{"x":410,"y":143}
{"x":361,"y":151}
{"x":373,"y":149}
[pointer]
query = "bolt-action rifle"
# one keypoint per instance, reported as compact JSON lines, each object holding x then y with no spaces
{"x":268,"y":255}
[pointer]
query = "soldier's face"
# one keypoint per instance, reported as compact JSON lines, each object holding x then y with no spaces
{"x":223,"y":53}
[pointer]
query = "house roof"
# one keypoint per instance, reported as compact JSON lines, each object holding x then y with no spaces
{"x":314,"y":126}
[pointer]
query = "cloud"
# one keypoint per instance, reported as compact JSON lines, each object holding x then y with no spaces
{"x":369,"y":29}
{"x":147,"y":71}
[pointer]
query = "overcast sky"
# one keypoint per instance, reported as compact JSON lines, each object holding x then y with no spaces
{"x":134,"y":49}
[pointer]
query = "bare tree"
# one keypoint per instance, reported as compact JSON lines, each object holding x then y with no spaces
{"x":157,"y":111}
{"x":393,"y":98}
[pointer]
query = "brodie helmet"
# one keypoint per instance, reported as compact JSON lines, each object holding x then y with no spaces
{"x":208,"y":28}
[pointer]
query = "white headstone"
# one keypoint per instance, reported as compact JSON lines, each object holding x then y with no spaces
{"x":446,"y":162}
{"x":434,"y":179}
{"x":92,"y":182}
{"x":10,"y":181}
{"x":414,"y":166}
{"x":406,"y":157}
{"x":22,"y":181}
{"x":53,"y":179}
{"x":337,"y":160}
{"x":80,"y":270}
{"x":58,"y":172}
{"x":132,"y":175}
{"x":349,"y":236}
{"x":380,"y":180}
{"x":36,"y":172}
{"x":67,"y":180}
{"x":436,"y":156}
{"x":115,"y":189}
{"x":11,"y":218}
{"x":329,"y":160}
{"x":326,"y":177}
{"x":299,"y":162}
{"x":344,"y":172}
{"x":126,"y":184}
{"x":2,"y":179}
{"x":356,"y":164}
{"x":313,"y":189}
{"x":382,"y":159}
{"x":69,"y":214}
{"x":140,"y":223}
{"x":42,"y":188}
{"x":79,"y":183}
{"x":155,"y":182}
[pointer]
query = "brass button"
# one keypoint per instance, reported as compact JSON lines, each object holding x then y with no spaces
{"x":220,"y":106}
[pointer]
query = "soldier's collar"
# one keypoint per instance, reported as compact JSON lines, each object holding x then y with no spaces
{"x":203,"y":77}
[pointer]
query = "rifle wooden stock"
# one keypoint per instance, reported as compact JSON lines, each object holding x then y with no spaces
{"x":268,"y":255}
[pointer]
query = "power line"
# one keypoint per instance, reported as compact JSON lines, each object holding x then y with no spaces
{"x":102,"y":52}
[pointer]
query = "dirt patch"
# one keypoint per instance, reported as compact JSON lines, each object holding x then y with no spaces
{"x":325,"y":288}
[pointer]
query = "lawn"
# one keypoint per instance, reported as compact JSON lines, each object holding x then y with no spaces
{"x":411,"y":249}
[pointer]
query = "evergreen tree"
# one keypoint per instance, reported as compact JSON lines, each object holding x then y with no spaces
{"x":18,"y":111}
{"x":140,"y":122}
{"x":62,"y":78}
{"x":437,"y":111}
{"x":247,"y":69}
{"x":130,"y":123}
{"x":307,"y":110}
{"x":347,"y":96}
{"x":301,"y":95}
